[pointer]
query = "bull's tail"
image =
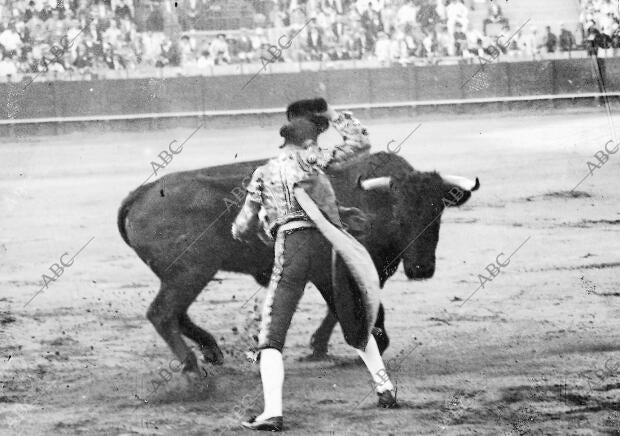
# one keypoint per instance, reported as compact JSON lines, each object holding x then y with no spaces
{"x":124,"y":210}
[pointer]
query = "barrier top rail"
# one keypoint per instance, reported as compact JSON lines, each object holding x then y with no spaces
{"x":265,"y":111}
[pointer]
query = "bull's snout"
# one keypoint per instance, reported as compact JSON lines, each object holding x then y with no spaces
{"x":419,"y":272}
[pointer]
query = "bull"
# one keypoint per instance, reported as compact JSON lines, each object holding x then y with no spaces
{"x":180,"y":226}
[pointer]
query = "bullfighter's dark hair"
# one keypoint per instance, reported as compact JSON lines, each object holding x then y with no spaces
{"x":305,"y":108}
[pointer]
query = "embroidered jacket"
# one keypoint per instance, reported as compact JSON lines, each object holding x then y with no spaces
{"x":270,"y":191}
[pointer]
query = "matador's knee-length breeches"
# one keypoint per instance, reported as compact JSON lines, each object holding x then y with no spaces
{"x":301,"y":256}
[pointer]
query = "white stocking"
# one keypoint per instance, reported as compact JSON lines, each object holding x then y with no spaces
{"x":272,"y":375}
{"x":374,"y":363}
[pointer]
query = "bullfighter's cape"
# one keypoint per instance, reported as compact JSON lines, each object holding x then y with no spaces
{"x":355,"y":280}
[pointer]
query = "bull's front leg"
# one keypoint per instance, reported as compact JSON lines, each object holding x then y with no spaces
{"x":320,"y":338}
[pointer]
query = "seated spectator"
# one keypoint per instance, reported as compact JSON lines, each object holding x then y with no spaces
{"x":551,"y":41}
{"x":339,"y":53}
{"x":82,"y":61}
{"x":477,"y":50}
{"x":244,"y":47}
{"x":186,"y":50}
{"x":10,"y":40}
{"x":567,"y":39}
{"x":355,"y":44}
{"x":7,"y":66}
{"x":412,"y":43}
{"x":494,"y":15}
{"x":204,"y":61}
{"x":258,"y":40}
{"x":429,"y":45}
{"x":219,"y":50}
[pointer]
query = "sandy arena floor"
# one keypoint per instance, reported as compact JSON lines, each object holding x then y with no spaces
{"x":536,"y":351}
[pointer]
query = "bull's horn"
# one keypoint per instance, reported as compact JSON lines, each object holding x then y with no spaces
{"x":463,"y":182}
{"x":376,"y":183}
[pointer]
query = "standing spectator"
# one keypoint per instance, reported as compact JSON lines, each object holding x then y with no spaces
{"x":371,"y":22}
{"x":551,"y":41}
{"x":530,"y":44}
{"x":112,"y":34}
{"x":494,"y":15}
{"x":383,"y":48}
{"x":460,"y":40}
{"x":29,"y":12}
{"x":445,"y":47}
{"x":406,"y":14}
{"x":592,"y":39}
{"x":427,"y":16}
{"x":122,"y":10}
{"x":314,"y":42}
{"x":567,"y":39}
{"x":398,"y":47}
{"x":339,"y":27}
{"x":457,"y":13}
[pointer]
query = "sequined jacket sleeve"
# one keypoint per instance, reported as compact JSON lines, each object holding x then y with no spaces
{"x":248,"y":215}
{"x":354,"y":140}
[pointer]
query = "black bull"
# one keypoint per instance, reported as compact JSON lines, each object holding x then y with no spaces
{"x":180,"y":227}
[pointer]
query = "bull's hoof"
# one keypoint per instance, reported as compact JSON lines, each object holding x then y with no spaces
{"x":213,"y":355}
{"x":198,"y":378}
{"x":315,"y":357}
{"x":318,"y":343}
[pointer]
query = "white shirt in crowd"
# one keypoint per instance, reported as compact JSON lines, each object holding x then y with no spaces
{"x":406,"y":14}
{"x":7,"y":67}
{"x":10,"y":40}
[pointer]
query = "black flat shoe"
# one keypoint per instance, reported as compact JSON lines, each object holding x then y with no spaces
{"x":275,"y":423}
{"x":387,"y":400}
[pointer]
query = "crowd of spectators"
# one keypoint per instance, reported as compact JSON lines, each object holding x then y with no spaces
{"x":90,"y":35}
{"x":42,"y":35}
{"x":600,"y":20}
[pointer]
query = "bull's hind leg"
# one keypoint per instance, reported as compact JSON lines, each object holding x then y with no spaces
{"x":163,"y":314}
{"x":207,"y":343}
{"x":320,"y":338}
{"x":168,"y":314}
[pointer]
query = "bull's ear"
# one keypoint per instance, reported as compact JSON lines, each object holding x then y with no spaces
{"x":457,"y":190}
